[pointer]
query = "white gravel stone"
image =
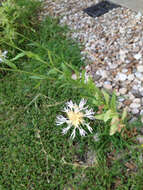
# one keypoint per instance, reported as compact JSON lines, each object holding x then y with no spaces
{"x":141,"y":112}
{"x":139,"y":75}
{"x":140,"y":68}
{"x":102,"y":73}
{"x":136,"y":100}
{"x":138,"y":56}
{"x":113,"y":66}
{"x":135,"y":111}
{"x":124,"y":70}
{"x":121,"y":99}
{"x":131,"y":77}
{"x":121,"y":76}
{"x":108,"y":86}
{"x":134,"y":105}
{"x":107,"y":82}
{"x":122,"y":54}
{"x":123,"y":91}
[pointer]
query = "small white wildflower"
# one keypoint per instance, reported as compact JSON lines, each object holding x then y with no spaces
{"x":82,"y":132}
{"x":74,"y":76}
{"x":61,"y":120}
{"x":96,"y":137}
{"x":3,"y":55}
{"x":76,"y":115}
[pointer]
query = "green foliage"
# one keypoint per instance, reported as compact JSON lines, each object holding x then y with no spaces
{"x":17,"y":16}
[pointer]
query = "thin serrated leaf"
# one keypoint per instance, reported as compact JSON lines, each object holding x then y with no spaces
{"x":38,"y":77}
{"x":113,"y":129}
{"x":106,"y":97}
{"x":107,"y":115}
{"x":124,"y":114}
{"x":113,"y":102}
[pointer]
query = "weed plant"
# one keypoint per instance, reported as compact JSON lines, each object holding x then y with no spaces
{"x":34,"y":153}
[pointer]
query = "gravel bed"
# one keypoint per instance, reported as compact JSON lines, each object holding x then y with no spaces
{"x":113,"y":43}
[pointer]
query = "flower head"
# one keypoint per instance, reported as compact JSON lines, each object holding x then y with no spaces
{"x":75,"y":118}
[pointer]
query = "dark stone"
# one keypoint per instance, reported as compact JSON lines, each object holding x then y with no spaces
{"x":100,"y":8}
{"x":136,"y":93}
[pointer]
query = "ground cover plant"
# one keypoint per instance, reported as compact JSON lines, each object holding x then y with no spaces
{"x":35,"y":84}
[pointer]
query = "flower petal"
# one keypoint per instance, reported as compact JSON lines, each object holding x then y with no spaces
{"x":60,"y":120}
{"x":65,"y":110}
{"x":82,"y":131}
{"x":82,"y":103}
{"x":73,"y":134}
{"x":89,"y":114}
{"x":89,"y":128}
{"x":65,"y":130}
{"x":70,"y":104}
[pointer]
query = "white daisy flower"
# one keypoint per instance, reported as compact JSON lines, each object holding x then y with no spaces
{"x":75,"y":118}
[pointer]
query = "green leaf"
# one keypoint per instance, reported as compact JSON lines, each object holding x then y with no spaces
{"x":52,"y":71}
{"x":34,"y":56}
{"x":18,"y":56}
{"x":124,"y":114}
{"x":95,"y":102}
{"x":107,"y":115}
{"x":64,"y":67}
{"x":38,"y":77}
{"x":10,"y":64}
{"x":100,"y":117}
{"x":113,"y":102}
{"x":113,"y":129}
{"x":106,"y":97}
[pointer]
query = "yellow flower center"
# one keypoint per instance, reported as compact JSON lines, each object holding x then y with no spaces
{"x":75,"y":118}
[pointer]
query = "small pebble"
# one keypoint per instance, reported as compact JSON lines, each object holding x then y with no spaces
{"x":140,"y":68}
{"x":134,"y":105}
{"x":138,"y":56}
{"x":135,"y":111}
{"x":108,"y":86}
{"x":123,"y":91}
{"x":122,"y":77}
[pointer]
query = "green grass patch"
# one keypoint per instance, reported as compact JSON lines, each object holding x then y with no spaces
{"x":34,"y":153}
